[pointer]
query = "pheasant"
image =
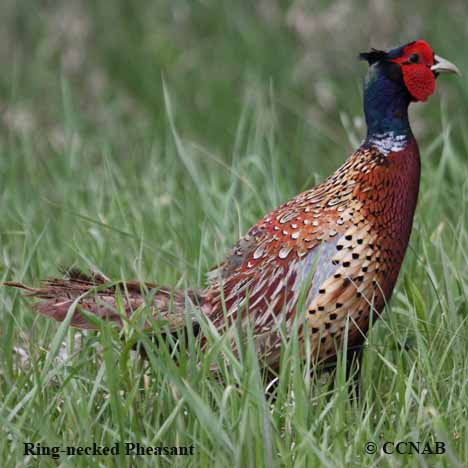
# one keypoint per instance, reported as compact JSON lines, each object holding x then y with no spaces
{"x":330,"y":256}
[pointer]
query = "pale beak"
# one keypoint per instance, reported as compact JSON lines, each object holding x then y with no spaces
{"x":444,"y":66}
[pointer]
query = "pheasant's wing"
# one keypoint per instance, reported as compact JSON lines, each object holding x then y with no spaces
{"x":274,"y":257}
{"x":292,"y":226}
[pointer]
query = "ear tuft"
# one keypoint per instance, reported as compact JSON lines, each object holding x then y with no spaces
{"x":373,"y":56}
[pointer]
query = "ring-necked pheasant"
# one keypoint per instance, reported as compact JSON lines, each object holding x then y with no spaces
{"x":338,"y":246}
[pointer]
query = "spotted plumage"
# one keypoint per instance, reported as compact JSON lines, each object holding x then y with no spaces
{"x":329,"y":257}
{"x":340,"y":243}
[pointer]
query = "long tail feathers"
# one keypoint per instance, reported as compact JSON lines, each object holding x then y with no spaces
{"x":99,"y":296}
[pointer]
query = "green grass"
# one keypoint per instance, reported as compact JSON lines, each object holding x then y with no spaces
{"x":148,"y":160}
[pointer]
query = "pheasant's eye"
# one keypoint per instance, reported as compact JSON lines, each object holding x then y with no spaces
{"x":413,"y":58}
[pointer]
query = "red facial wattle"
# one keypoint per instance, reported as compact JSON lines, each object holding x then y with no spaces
{"x":419,"y":81}
{"x":418,"y":77}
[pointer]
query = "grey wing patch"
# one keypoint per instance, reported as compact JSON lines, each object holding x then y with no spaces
{"x":317,"y":266}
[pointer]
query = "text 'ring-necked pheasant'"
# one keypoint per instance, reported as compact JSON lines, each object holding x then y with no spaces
{"x":329,"y":257}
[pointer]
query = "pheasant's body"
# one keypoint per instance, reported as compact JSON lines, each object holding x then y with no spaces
{"x":329,"y":257}
{"x":336,"y":248}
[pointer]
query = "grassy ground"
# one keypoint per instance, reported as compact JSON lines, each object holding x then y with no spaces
{"x":144,"y":141}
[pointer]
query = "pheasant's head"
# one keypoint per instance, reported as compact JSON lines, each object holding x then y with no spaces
{"x":414,"y":66}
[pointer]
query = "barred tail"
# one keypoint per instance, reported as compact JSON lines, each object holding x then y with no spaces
{"x":97,"y":295}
